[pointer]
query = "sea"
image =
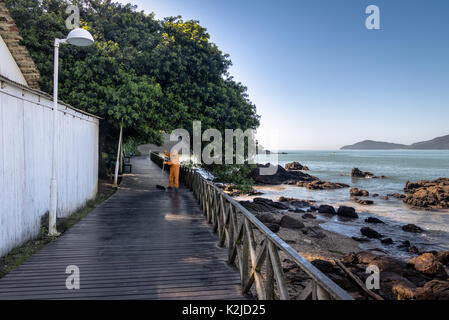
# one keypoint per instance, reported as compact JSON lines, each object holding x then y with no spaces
{"x":399,"y":166}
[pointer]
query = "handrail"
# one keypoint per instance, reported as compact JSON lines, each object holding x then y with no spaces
{"x":260,"y":267}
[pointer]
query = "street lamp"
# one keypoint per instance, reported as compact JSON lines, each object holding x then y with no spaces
{"x":80,"y":38}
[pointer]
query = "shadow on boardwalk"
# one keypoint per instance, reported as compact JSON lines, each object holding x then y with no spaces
{"x":142,"y":243}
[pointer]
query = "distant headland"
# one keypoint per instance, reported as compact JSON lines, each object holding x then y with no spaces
{"x":440,"y":143}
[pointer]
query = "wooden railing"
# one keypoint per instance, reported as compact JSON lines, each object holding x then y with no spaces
{"x":252,"y":247}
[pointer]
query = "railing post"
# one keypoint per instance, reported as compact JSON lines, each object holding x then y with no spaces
{"x":222,"y":211}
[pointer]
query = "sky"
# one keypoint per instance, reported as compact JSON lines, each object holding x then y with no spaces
{"x":320,"y":79}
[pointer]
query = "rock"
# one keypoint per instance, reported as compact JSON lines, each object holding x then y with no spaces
{"x":308,"y":216}
{"x":297,"y":203}
{"x":385,"y":198}
{"x":384,"y":263}
{"x":361,"y":239}
{"x":412,"y":228}
{"x":323,"y":265}
{"x":387,"y":241}
{"x":254,"y":192}
{"x":326,"y":209}
{"x":271,"y":203}
{"x":355,"y":192}
{"x":375,"y":195}
{"x":351,"y":258}
{"x":404,"y":244}
{"x":365,"y":202}
{"x":295,"y":166}
{"x":370,"y":233}
{"x":292,"y":223}
{"x":443,"y":257}
{"x":428,"y":193}
{"x":396,"y":195}
{"x":428,"y":264}
{"x":296,"y":210}
{"x":373,"y":220}
{"x":413,"y":250}
{"x":314,"y":232}
{"x":361,"y":174}
{"x":267,"y":217}
{"x":262,"y":205}
{"x":273,"y":227}
{"x":394,"y":286}
{"x":322,"y":185}
{"x":433,"y":290}
{"x":280,"y":176}
{"x":348,"y":212}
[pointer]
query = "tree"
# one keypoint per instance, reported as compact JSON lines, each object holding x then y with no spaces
{"x":145,"y":74}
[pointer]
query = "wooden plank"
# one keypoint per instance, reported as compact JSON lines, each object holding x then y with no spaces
{"x":142,"y":243}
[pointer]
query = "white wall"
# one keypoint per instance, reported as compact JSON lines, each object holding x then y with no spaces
{"x":25,"y":162}
{"x":8,"y":66}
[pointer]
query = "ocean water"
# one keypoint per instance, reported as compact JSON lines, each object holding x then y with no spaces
{"x":399,"y":166}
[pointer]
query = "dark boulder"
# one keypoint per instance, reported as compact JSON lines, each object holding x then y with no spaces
{"x":370,"y":233}
{"x":413,"y":250}
{"x":308,"y":216}
{"x":326,"y":209}
{"x":361,"y":239}
{"x":405,"y":244}
{"x":433,"y":290}
{"x":297,"y":203}
{"x":373,"y":220}
{"x":265,"y":205}
{"x":274,"y":227}
{"x":268,"y":217}
{"x":443,"y":257}
{"x":387,"y":241}
{"x":361,"y":174}
{"x":396,"y":287}
{"x":314,"y":232}
{"x":291,"y":223}
{"x":384,"y":263}
{"x":279,"y":177}
{"x":348,"y":212}
{"x":412,"y":228}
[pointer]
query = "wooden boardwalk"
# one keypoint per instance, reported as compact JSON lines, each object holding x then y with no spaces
{"x":142,"y":243}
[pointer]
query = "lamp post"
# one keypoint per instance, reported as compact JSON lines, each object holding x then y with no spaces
{"x":80,"y":38}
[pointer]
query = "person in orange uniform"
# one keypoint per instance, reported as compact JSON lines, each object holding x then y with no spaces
{"x":174,"y":169}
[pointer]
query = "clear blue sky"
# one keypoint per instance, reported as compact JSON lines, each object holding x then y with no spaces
{"x":320,"y":79}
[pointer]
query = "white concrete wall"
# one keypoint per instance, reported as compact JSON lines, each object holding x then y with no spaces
{"x":25,"y":162}
{"x":8,"y":66}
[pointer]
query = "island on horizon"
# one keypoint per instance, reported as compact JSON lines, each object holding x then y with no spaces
{"x":439,"y":143}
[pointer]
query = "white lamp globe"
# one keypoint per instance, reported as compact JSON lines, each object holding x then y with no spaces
{"x":80,"y":38}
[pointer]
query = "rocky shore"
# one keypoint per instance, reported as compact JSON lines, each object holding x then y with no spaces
{"x":425,"y":276}
{"x":417,"y":274}
{"x":428,"y":194}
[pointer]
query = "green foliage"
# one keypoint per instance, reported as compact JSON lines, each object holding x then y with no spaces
{"x":236,"y":174}
{"x":145,"y":74}
{"x":130,"y":147}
